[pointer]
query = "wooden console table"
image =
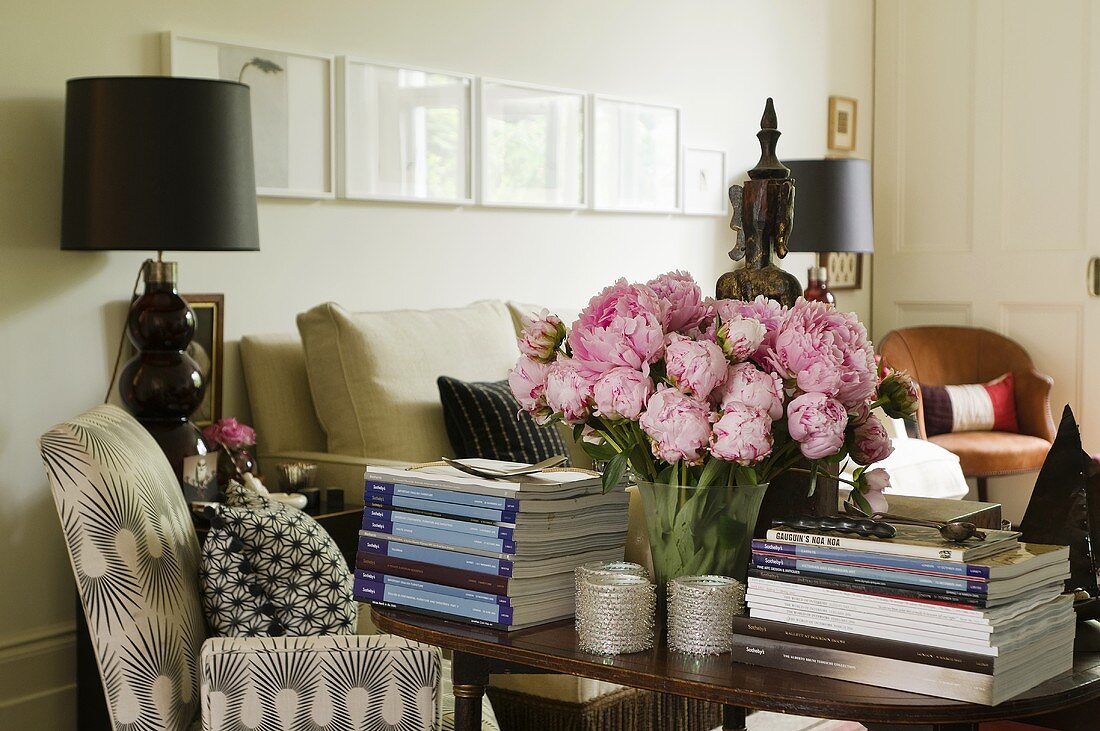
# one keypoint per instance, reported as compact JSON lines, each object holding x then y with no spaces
{"x":552,"y":648}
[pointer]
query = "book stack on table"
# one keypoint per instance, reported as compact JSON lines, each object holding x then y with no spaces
{"x":978,"y":622}
{"x":493,"y":552}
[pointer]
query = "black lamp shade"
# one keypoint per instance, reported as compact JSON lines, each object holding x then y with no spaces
{"x":158,"y":163}
{"x":832,"y":209}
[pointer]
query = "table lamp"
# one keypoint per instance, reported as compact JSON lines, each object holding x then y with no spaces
{"x":156,"y":163}
{"x":833,"y":213}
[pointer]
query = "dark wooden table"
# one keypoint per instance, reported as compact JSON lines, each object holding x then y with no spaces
{"x":552,"y":648}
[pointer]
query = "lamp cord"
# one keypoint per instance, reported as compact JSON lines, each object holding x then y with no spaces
{"x":122,"y":335}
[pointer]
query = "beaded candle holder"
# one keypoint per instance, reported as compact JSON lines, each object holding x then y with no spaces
{"x":700,"y":613}
{"x":616,"y":614}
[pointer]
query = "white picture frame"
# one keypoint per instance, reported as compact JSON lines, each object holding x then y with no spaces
{"x":705,"y":188}
{"x":388,"y":151}
{"x":553,"y":125}
{"x":293,"y":115}
{"x":625,"y":177}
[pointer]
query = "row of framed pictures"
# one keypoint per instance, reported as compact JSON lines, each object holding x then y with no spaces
{"x":418,"y":135}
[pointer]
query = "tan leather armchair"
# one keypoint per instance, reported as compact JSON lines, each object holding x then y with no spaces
{"x":942,"y":356}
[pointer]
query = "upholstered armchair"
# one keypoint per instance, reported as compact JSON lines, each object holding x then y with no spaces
{"x":942,"y":356}
{"x":135,"y":556}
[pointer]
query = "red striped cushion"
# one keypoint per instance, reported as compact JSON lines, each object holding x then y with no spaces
{"x":970,"y":407}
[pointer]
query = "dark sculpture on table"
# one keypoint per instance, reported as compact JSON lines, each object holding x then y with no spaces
{"x":763,"y":215}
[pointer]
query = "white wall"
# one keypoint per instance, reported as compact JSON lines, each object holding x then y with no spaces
{"x":59,"y":311}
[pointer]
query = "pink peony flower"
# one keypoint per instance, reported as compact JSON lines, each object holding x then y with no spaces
{"x":872,"y":484}
{"x":622,"y":393}
{"x":817,"y":423}
{"x":679,"y":426}
{"x":684,"y":308}
{"x":743,"y":435}
{"x":694,"y":366}
{"x":230,"y":434}
{"x":528,"y":383}
{"x":541,"y":337}
{"x":568,"y":392}
{"x":740,"y":337}
{"x":747,"y":385}
{"x":870,"y":442}
{"x":622,"y":326}
{"x":767,"y":312}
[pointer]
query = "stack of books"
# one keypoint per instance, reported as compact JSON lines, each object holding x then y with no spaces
{"x":493,"y":552}
{"x":978,"y":622}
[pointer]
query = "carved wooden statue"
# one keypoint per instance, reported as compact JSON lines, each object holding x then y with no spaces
{"x":763,"y":215}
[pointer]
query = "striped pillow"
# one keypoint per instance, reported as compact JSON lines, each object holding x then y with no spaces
{"x":484,"y":420}
{"x":972,"y":407}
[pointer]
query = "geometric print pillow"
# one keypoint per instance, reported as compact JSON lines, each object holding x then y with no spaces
{"x":972,"y":407}
{"x":268,"y":569}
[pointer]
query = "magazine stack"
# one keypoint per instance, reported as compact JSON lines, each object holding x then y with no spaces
{"x":980,"y":621}
{"x":493,"y":552}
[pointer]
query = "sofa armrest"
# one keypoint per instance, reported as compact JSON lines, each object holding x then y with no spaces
{"x":242,"y":680}
{"x":333,"y":470}
{"x":1033,"y":403}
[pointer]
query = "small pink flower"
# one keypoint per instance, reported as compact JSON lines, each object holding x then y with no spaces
{"x":767,"y":312}
{"x":685,"y":309}
{"x":568,"y":392}
{"x":622,"y":393}
{"x":740,"y":337}
{"x":872,"y":484}
{"x":694,"y":366}
{"x":621,"y":326}
{"x":817,"y":423}
{"x":743,"y":435}
{"x":229,"y":433}
{"x":819,"y":377}
{"x":541,"y":337}
{"x":678,"y":425}
{"x":747,"y":385}
{"x":870,"y":442}
{"x":528,"y":383}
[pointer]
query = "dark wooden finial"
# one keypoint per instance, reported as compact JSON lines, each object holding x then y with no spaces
{"x":768,"y":121}
{"x":769,"y":167}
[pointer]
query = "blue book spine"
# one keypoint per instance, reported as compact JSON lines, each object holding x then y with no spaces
{"x":436,"y":556}
{"x":886,"y":561}
{"x":373,"y":515}
{"x":861,"y":572}
{"x":399,"y":581}
{"x":397,"y":489}
{"x":446,"y":537}
{"x":434,"y":506}
{"x":374,"y":591}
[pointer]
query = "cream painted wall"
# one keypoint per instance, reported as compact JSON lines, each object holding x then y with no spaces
{"x":59,"y":311}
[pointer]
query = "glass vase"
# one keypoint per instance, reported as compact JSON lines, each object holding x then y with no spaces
{"x":695,"y":531}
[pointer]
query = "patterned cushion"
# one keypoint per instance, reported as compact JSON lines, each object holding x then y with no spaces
{"x":269,"y":569}
{"x":484,"y":420}
{"x":972,"y":407}
{"x":135,"y":557}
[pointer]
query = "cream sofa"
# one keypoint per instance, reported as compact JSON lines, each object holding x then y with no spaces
{"x":355,"y":389}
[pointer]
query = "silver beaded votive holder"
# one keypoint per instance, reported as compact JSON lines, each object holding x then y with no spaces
{"x":606,"y":568}
{"x":700,"y":613}
{"x":616,"y":614}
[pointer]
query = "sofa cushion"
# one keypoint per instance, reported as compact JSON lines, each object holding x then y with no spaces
{"x":373,"y":374}
{"x":984,"y":454}
{"x":973,"y":407}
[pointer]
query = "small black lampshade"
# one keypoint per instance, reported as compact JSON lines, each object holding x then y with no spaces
{"x":158,"y":163}
{"x":832,"y":206}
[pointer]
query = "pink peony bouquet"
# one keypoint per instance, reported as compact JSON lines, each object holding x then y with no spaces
{"x":684,"y":390}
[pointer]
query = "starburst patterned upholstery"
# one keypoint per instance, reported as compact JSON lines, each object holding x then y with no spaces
{"x":135,"y":557}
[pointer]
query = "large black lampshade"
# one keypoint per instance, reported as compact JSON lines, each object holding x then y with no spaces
{"x":158,"y":163}
{"x":832,"y":206}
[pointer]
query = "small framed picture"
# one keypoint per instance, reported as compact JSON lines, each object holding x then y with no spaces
{"x":533,"y":146}
{"x":704,"y":182}
{"x":845,"y":270}
{"x":406,"y":134}
{"x":293,"y":125}
{"x":842,"y":123}
{"x":207,"y":349}
{"x":636,"y":156}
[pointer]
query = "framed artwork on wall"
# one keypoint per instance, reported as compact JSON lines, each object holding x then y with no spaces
{"x":845,"y":270}
{"x":636,"y":156}
{"x":406,"y":133}
{"x":842,"y":123}
{"x":704,"y":182}
{"x":293,"y":125}
{"x":533,"y":145}
{"x":207,"y":348}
